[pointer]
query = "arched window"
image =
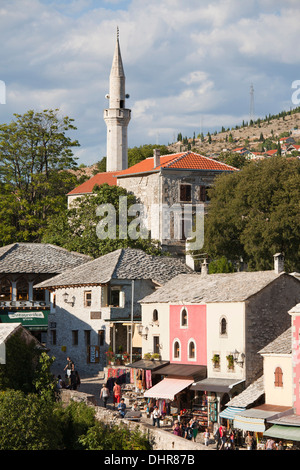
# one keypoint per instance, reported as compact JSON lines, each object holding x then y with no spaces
{"x":192,"y":349}
{"x":155,"y":315}
{"x":278,"y":377}
{"x":223,"y":326}
{"x":176,"y":349}
{"x":184,"y":318}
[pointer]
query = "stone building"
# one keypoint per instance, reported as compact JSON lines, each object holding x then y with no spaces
{"x":96,"y":305}
{"x":22,"y":265}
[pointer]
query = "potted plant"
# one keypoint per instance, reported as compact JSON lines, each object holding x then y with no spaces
{"x":230,"y":361}
{"x":216,"y":360}
{"x":147,"y":356}
{"x":155,"y":356}
{"x":126,"y":357}
{"x":110,"y":356}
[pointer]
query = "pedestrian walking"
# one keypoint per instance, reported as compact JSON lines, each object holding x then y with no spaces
{"x":206,"y":437}
{"x":104,"y":394}
{"x":69,"y":366}
{"x":117,"y":393}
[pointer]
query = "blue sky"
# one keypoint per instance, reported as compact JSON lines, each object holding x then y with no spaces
{"x":189,"y":64}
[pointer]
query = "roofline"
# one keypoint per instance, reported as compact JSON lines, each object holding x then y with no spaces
{"x":177,"y":169}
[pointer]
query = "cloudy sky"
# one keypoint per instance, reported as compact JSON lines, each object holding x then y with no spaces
{"x":189,"y":64}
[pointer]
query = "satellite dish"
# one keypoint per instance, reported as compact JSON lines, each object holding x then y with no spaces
{"x":107,"y":96}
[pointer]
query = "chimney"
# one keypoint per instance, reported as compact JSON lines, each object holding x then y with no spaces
{"x":156,"y":157}
{"x":204,"y":268}
{"x":278,"y":263}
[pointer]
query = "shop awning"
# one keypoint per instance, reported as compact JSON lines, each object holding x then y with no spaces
{"x":289,"y":433}
{"x":148,"y":364}
{"x":230,"y":412}
{"x":252,"y":420}
{"x":196,"y":372}
{"x":168,"y":388}
{"x":216,"y":384}
{"x":31,"y":319}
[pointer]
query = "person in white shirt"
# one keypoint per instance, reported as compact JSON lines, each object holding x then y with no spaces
{"x":156,"y":415}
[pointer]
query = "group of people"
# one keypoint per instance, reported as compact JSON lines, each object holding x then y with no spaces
{"x":117,"y":394}
{"x":72,"y":378}
{"x":187,"y":431}
{"x":224,"y":438}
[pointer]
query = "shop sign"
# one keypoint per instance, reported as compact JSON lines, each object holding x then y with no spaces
{"x":94,"y":354}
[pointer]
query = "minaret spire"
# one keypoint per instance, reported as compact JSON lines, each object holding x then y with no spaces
{"x":117,"y":117}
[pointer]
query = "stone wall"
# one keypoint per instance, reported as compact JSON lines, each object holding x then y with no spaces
{"x":161,"y":439}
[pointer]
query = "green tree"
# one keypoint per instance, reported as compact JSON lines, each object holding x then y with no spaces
{"x":28,"y":423}
{"x":114,"y":437}
{"x":76,"y":229}
{"x":254,"y":214}
{"x":35,"y":154}
{"x":221,"y":265}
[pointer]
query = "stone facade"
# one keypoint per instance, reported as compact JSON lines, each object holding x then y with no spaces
{"x":267,"y":318}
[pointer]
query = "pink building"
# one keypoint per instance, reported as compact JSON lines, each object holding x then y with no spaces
{"x":295,"y":313}
{"x":188,"y":334}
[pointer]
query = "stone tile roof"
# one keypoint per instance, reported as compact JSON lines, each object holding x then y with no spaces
{"x":281,"y":345}
{"x":126,"y":263}
{"x":197,"y":288}
{"x":249,"y":395}
{"x":7,"y":329}
{"x":38,"y":258}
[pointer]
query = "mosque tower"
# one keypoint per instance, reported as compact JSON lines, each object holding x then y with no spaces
{"x":117,"y":117}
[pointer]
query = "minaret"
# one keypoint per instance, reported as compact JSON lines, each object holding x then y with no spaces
{"x":117,"y":117}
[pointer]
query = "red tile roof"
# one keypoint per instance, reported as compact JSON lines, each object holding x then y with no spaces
{"x":100,"y":178}
{"x":182,"y":161}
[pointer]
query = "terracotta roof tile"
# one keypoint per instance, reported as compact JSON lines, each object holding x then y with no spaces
{"x":100,"y":178}
{"x":183,"y":161}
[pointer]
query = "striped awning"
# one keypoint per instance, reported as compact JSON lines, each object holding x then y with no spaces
{"x":253,"y":419}
{"x":230,"y":412}
{"x":167,"y":388}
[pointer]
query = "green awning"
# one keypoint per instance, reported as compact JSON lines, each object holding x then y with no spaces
{"x":288,"y":433}
{"x":30,"y":319}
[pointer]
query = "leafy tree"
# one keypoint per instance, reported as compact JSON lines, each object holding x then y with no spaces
{"x":254,"y":214}
{"x":113,"y":437}
{"x":35,"y":154}
{"x":234,"y":159}
{"x":28,"y":423}
{"x":76,"y":229}
{"x":221,"y":265}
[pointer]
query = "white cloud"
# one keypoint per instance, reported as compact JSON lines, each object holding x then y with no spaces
{"x":183,"y":61}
